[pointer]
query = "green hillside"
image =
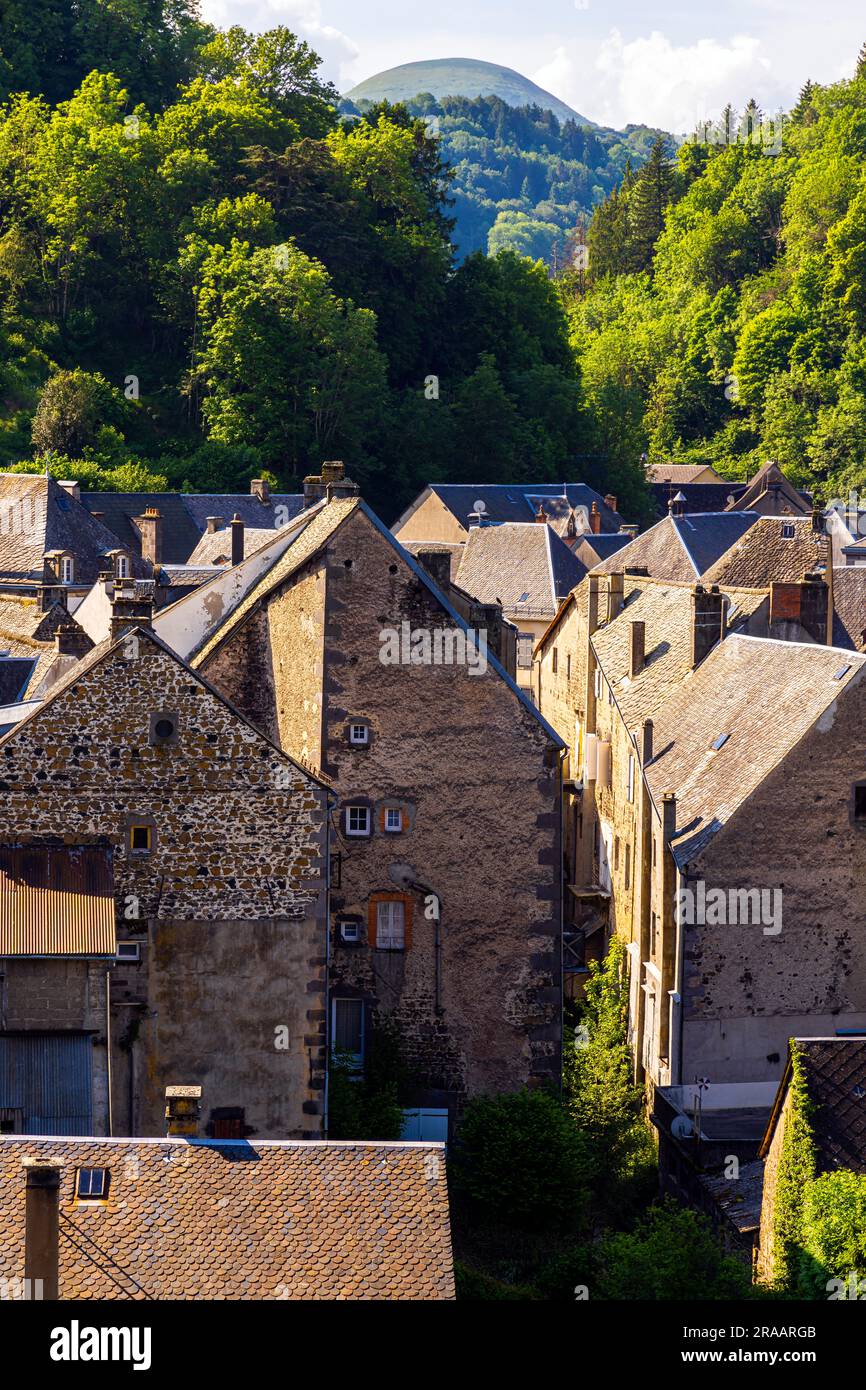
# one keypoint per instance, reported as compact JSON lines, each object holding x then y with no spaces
{"x":465,"y":77}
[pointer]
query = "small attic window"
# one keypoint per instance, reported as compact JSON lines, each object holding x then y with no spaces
{"x":719,"y":742}
{"x":523,"y":598}
{"x":91,"y":1184}
{"x":843,"y":671}
{"x":788,"y":530}
{"x":67,"y":569}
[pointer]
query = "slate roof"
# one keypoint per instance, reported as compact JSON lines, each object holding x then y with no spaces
{"x":665,"y":609}
{"x":592,"y":549}
{"x":835,"y":1074}
{"x":849,"y":607}
{"x":700,"y":497}
{"x":763,"y":554}
{"x":682,"y":547}
{"x":727,"y":694}
{"x":770,"y":479}
{"x":511,"y":501}
{"x":37,"y":516}
{"x":27,"y":634}
{"x":15,"y":674}
{"x":184,"y":515}
{"x":679,"y":473}
{"x":238,"y":1219}
{"x":523,"y":565}
{"x":215,"y":547}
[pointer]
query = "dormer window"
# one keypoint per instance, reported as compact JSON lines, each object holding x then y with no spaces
{"x":67,"y":569}
{"x":122,"y":570}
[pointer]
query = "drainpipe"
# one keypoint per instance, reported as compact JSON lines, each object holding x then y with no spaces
{"x":331,"y":804}
{"x":41,"y":1228}
{"x":108,"y":1048}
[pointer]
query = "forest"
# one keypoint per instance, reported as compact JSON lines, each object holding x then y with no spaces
{"x":207,"y":274}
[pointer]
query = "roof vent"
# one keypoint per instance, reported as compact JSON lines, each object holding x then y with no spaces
{"x":719,"y":742}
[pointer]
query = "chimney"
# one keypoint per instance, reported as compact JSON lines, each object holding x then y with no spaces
{"x":669,"y":816}
{"x":541,"y":515}
{"x":260,"y":490}
{"x":49,"y":594}
{"x":237,"y":539}
{"x":615,"y":595}
{"x":629,"y":528}
{"x":592,"y":605}
{"x":150,"y":527}
{"x":182,"y":1110}
{"x":805,"y":604}
{"x":646,"y":742}
{"x":214,"y":524}
{"x":131,"y":606}
{"x":708,"y":621}
{"x":818,"y":519}
{"x":437,"y":563}
{"x":41,"y":1228}
{"x":335,"y":481}
{"x":71,"y":640}
{"x":637,"y":647}
{"x":314,"y":489}
{"x":677,"y":505}
{"x":595,"y":520}
{"x":71,"y":487}
{"x":610,"y":501}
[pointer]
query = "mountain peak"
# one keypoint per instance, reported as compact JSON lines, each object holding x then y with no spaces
{"x":460,"y":77}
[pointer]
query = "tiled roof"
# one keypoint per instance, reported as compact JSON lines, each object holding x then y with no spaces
{"x":215,"y":547}
{"x":700,"y":497}
{"x":37,"y":516}
{"x":15,"y":674}
{"x":665,"y":609}
{"x":185,"y":515}
{"x":56,"y":901}
{"x":511,"y":501}
{"x":524,"y":565}
{"x":683,"y":547}
{"x":28,"y":634}
{"x":679,"y":472}
{"x":591,"y":549}
{"x":835,"y":1074}
{"x":727,"y":694}
{"x":770,"y":479}
{"x":223,"y":1219}
{"x":775,"y":549}
{"x":310,"y":540}
{"x":849,"y":607}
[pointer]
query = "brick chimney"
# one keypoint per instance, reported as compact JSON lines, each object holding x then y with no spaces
{"x":336,"y":482}
{"x":803,"y":604}
{"x":131,"y":606}
{"x":595,"y":520}
{"x":437,"y":563}
{"x":41,"y":1228}
{"x":636,"y":647}
{"x":214,"y":524}
{"x":708,"y":621}
{"x":237,"y":539}
{"x":615,"y":595}
{"x":260,"y":490}
{"x":182,"y":1110}
{"x":49,"y":594}
{"x":610,"y":501}
{"x":150,"y":527}
{"x":71,"y":640}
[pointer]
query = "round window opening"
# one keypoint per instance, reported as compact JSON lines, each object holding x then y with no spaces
{"x":163,"y":728}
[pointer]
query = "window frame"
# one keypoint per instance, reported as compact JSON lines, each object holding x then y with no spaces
{"x":359,"y":834}
{"x":364,"y":728}
{"x":102,"y":1194}
{"x":388,"y":811}
{"x":130,"y":835}
{"x":357,"y":1058}
{"x":67,"y":569}
{"x":379,"y":899}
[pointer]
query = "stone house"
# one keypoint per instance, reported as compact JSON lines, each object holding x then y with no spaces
{"x":446,"y":895}
{"x":163,"y":883}
{"x":446,"y":512}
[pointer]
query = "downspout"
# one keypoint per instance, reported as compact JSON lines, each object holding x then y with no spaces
{"x":678,"y":1032}
{"x":331,"y":803}
{"x":108,"y":1046}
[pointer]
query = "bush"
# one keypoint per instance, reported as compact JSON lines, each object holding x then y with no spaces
{"x":519,"y":1159}
{"x":834,"y":1233}
{"x":672,"y":1254}
{"x":368,"y":1106}
{"x":472,"y":1285}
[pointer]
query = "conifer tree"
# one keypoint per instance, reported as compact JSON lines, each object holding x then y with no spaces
{"x":647,"y":203}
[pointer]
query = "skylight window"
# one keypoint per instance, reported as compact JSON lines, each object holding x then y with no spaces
{"x":523,"y":598}
{"x":719,"y":742}
{"x":843,"y":671}
{"x":788,"y":530}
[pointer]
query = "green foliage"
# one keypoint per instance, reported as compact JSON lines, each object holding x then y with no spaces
{"x":519,"y":1159}
{"x":73,"y":407}
{"x":795,"y":1173}
{"x":672,"y":1254}
{"x":367,"y":1106}
{"x":833,"y":1233}
{"x":472,"y":1285}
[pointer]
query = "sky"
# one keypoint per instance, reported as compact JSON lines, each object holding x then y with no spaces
{"x":657,"y":62}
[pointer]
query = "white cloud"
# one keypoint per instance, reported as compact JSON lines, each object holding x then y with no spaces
{"x":338,"y":52}
{"x":656,"y":82}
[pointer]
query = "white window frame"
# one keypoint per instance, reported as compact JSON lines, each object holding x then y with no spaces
{"x":358,"y":811}
{"x":128,"y":950}
{"x":364,"y":730}
{"x":67,"y":570}
{"x":391,"y":933}
{"x":123,"y":566}
{"x":357,"y":1057}
{"x":524,"y":638}
{"x":393,"y":811}
{"x":350,"y":929}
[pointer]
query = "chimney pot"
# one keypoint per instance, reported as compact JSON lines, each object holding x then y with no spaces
{"x":214,"y":524}
{"x":182,"y":1110}
{"x":541,"y":515}
{"x":610,"y":501}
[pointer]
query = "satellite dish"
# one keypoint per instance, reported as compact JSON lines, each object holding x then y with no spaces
{"x":681,"y":1128}
{"x":479,"y":507}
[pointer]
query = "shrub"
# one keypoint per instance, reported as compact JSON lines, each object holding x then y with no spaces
{"x":673,"y":1253}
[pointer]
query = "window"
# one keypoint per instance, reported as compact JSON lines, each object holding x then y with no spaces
{"x":67,"y":569}
{"x":91,"y":1184}
{"x":568,"y":666}
{"x":554,"y":660}
{"x":128,"y":950}
{"x":524,"y":649}
{"x":359,"y":735}
{"x":631,"y":776}
{"x":390,"y":926}
{"x":616,"y":852}
{"x":163,"y":727}
{"x":860,"y":802}
{"x":140,"y":838}
{"x":393,"y":819}
{"x":389,"y":921}
{"x":347,"y":1029}
{"x":653,"y":933}
{"x":788,"y":530}
{"x":228,"y":1123}
{"x":357,"y":820}
{"x":719,"y":742}
{"x":349,"y":929}
{"x":123,"y":567}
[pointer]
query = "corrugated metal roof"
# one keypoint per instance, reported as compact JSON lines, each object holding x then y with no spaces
{"x":56,"y":901}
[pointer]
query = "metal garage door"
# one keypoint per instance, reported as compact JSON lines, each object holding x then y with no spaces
{"x":46,"y":1079}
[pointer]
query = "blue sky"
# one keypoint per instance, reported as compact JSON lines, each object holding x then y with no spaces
{"x":660,"y":62}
